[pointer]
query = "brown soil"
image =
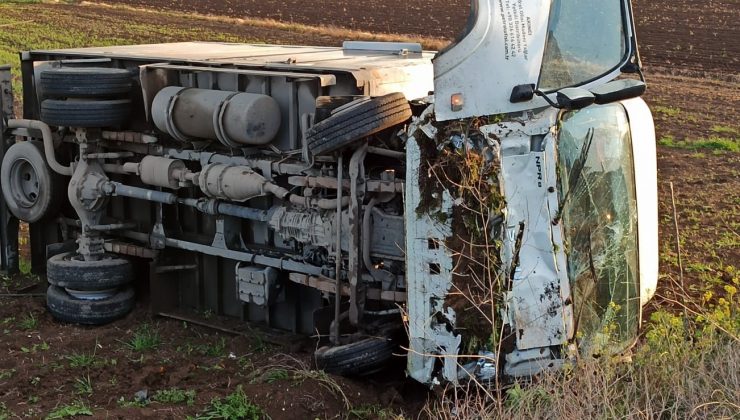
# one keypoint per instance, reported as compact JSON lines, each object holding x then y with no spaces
{"x":689,"y":35}
{"x":691,"y":52}
{"x":37,"y":374}
{"x":437,"y":18}
{"x":706,"y":184}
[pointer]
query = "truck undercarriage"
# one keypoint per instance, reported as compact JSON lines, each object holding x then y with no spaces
{"x":203,"y":170}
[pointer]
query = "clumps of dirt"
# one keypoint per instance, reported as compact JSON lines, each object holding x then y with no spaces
{"x":464,"y":162}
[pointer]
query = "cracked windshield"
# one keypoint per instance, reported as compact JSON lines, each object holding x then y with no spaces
{"x":599,"y":211}
{"x":585,"y":39}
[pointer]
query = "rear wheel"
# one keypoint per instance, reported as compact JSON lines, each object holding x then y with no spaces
{"x":87,"y":82}
{"x":85,"y":113}
{"x":93,"y":309}
{"x":70,"y":270}
{"x":357,"y":120}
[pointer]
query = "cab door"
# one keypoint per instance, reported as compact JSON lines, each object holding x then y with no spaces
{"x":515,"y":50}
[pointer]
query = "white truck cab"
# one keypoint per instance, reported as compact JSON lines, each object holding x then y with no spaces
{"x":571,"y":195}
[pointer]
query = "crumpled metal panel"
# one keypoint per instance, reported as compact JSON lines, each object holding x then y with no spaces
{"x":539,"y":304}
{"x":387,"y":235}
{"x":429,"y":271}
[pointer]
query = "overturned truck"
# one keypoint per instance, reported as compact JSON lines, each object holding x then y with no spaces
{"x":497,"y":199}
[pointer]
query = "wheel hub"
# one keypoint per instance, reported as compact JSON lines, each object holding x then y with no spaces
{"x":25,"y":182}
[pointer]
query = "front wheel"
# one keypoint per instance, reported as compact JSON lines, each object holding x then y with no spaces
{"x":362,"y":357}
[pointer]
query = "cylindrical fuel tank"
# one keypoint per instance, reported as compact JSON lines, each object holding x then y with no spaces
{"x":236,"y":119}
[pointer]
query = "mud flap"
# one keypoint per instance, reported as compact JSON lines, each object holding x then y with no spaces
{"x":8,"y":223}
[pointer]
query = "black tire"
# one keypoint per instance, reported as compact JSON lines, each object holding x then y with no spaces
{"x":362,"y":357}
{"x":356,"y":122}
{"x":68,"y":270}
{"x":66,"y":308}
{"x":30,"y":187}
{"x":85,"y":82}
{"x":85,"y":113}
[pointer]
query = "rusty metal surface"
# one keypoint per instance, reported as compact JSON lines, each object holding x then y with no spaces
{"x":8,"y":224}
{"x":129,"y":249}
{"x":328,"y":285}
{"x":128,"y":137}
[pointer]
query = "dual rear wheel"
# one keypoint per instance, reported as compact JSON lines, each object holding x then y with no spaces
{"x":88,"y":97}
{"x":89,"y":292}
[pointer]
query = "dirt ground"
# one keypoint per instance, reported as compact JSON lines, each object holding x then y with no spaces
{"x":41,"y":370}
{"x":691,"y":52}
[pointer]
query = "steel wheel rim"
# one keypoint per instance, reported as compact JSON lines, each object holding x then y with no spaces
{"x":24,"y":181}
{"x":91,"y":295}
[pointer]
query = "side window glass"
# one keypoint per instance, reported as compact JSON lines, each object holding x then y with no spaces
{"x":585,"y":40}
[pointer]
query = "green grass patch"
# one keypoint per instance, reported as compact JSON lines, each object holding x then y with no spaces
{"x":145,"y":338}
{"x":214,"y":349}
{"x":77,"y":408}
{"x":24,"y":265}
{"x":84,"y":386}
{"x":29,"y":322}
{"x":43,"y":346}
{"x":725,"y":130}
{"x":715,"y":143}
{"x":4,"y":412}
{"x":374,"y":412}
{"x":233,"y":407}
{"x":730,"y":240}
{"x":77,"y":360}
{"x":276,"y":375}
{"x":667,"y":110}
{"x":175,"y":396}
{"x":6,"y":373}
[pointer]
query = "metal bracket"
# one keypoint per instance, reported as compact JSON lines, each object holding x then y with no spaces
{"x":257,"y":285}
{"x":228,"y":234}
{"x":6,"y":94}
{"x":8,"y":223}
